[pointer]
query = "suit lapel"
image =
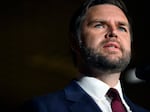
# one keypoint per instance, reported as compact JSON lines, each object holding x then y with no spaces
{"x":84,"y":105}
{"x":82,"y":102}
{"x":133,"y":107}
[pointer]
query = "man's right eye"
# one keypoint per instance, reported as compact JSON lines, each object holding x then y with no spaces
{"x":99,"y":26}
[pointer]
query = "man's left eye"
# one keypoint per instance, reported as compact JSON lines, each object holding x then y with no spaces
{"x":122,"y":29}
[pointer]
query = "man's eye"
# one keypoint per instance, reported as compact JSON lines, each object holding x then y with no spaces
{"x":99,"y":26}
{"x":122,"y":29}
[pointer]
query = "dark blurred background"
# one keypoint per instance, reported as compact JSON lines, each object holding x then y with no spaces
{"x":35,"y":56}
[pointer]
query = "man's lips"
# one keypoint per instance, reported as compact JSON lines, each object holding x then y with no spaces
{"x":112,"y":45}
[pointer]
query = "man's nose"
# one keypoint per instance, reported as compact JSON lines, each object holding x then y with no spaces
{"x":111,"y":34}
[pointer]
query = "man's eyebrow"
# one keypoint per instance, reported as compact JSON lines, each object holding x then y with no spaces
{"x":105,"y":22}
{"x":123,"y":24}
{"x":96,"y":21}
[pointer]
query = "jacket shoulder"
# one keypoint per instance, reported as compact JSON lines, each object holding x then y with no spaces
{"x":52,"y":102}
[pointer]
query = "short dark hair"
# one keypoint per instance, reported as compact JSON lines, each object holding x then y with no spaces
{"x":79,"y":15}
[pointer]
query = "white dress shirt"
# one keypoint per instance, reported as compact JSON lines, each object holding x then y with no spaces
{"x":97,"y":90}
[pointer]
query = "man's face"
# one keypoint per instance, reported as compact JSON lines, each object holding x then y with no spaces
{"x":106,"y":38}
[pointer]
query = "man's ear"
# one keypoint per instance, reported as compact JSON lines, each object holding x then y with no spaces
{"x":74,"y":48}
{"x":74,"y":43}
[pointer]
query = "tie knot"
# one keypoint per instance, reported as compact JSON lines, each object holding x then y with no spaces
{"x":113,"y":93}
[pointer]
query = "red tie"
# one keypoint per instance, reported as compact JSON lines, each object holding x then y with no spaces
{"x":116,"y":104}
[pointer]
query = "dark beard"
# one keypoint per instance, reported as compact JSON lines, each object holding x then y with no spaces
{"x":102,"y":63}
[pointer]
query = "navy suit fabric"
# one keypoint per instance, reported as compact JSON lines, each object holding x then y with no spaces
{"x":71,"y":99}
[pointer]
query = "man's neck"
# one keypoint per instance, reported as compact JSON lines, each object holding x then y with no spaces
{"x":110,"y":79}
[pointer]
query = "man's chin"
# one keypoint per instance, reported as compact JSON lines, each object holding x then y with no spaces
{"x":113,"y":59}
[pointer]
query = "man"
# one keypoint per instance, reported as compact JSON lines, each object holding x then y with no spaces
{"x":101,"y":36}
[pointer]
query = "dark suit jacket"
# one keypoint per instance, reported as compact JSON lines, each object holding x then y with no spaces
{"x":71,"y":99}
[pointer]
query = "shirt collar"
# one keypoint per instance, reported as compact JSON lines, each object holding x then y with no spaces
{"x":96,"y":87}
